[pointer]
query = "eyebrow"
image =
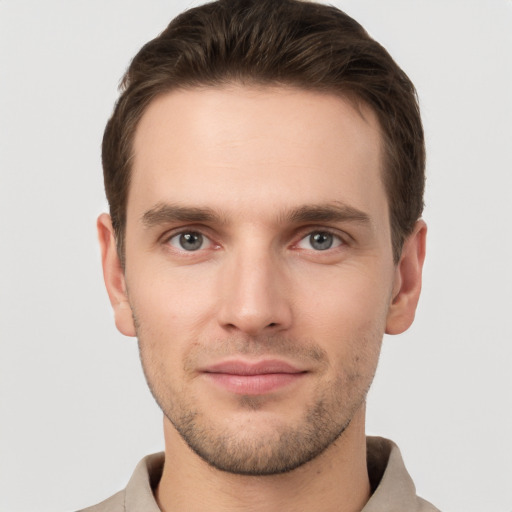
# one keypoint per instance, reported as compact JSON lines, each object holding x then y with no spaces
{"x":333,"y":212}
{"x":164,"y":213}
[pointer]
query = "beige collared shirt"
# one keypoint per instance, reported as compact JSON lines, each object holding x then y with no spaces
{"x":393,"y":488}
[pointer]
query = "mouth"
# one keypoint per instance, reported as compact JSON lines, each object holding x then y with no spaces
{"x":253,"y":378}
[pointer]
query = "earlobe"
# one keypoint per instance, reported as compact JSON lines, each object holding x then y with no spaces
{"x":407,"y":284}
{"x":113,"y":274}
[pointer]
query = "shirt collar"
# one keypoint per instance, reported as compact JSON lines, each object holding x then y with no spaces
{"x":393,"y":488}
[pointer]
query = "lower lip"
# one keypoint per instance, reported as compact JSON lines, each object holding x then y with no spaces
{"x":253,"y":384}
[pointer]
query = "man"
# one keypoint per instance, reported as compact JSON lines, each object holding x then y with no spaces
{"x":264,"y":167}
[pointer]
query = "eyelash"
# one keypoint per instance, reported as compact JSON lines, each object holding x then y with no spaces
{"x":198,"y":232}
{"x":337,"y":240}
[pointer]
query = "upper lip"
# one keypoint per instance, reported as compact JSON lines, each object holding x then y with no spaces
{"x":239,"y":367}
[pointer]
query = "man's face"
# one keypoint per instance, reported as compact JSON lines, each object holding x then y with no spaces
{"x":259,"y":269}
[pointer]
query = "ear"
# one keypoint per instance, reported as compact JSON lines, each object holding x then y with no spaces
{"x":113,"y":274}
{"x":407,"y":282}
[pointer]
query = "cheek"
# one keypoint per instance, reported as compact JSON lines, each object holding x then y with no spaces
{"x":172,"y":302}
{"x":346,"y":316}
{"x":343,"y":302}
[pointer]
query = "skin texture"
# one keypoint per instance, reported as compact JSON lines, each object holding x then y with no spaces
{"x":246,"y":177}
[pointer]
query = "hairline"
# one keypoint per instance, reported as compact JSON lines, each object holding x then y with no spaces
{"x":355,"y":100}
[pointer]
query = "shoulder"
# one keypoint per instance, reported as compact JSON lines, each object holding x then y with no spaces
{"x":138,"y":494}
{"x":393,"y":488}
{"x":425,"y":506}
{"x":113,"y":504}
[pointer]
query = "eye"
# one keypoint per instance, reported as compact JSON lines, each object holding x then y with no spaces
{"x":190,"y":241}
{"x":320,"y":241}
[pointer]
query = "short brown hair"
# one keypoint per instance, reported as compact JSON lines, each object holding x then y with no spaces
{"x":276,"y":42}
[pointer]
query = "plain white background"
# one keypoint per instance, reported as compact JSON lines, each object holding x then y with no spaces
{"x":75,"y":414}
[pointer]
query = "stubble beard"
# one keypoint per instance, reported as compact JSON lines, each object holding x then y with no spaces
{"x":283,"y":449}
{"x":280,"y":449}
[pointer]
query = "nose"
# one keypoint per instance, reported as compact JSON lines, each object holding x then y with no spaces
{"x":254,"y":293}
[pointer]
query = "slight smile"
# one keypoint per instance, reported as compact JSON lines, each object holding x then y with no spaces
{"x":253,"y":378}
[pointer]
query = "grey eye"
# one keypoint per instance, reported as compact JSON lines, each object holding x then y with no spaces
{"x":321,"y":241}
{"x":189,"y":241}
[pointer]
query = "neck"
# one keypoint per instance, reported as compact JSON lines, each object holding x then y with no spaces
{"x":336,"y":480}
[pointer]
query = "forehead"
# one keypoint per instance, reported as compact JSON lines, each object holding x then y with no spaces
{"x":242,"y":147}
